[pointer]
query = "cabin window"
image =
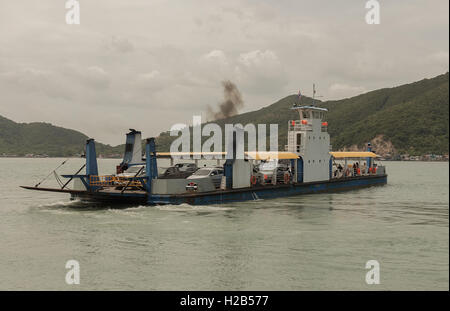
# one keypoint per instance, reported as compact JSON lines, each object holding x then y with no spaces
{"x":299,"y":141}
{"x":305,"y":114}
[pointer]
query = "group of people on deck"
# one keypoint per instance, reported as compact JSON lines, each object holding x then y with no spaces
{"x":352,"y":170}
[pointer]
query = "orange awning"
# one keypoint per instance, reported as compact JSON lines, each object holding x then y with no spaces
{"x":353,"y":154}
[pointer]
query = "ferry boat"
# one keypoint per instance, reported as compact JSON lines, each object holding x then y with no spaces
{"x":311,"y":168}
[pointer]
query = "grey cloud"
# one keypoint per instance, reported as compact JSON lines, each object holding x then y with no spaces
{"x":120,"y":44}
{"x":33,"y":80}
{"x":149,"y":65}
{"x":93,"y":77}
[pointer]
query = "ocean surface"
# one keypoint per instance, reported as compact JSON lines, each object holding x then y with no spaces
{"x":308,"y":242}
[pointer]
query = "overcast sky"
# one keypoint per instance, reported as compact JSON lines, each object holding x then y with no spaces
{"x":148,"y":64}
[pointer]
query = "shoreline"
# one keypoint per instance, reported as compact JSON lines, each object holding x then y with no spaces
{"x":119,"y":158}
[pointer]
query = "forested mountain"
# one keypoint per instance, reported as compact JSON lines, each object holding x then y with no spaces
{"x":39,"y":138}
{"x":411,"y":118}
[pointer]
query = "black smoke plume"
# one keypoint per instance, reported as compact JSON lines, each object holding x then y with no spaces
{"x":231,"y":104}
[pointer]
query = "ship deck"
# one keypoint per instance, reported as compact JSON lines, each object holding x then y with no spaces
{"x":110,"y":194}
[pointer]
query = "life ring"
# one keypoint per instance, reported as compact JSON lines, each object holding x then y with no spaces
{"x":286,"y":178}
{"x":253,"y":180}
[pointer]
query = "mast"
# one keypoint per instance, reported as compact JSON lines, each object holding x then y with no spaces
{"x":314,"y":93}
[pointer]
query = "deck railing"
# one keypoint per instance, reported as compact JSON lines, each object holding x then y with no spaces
{"x":113,"y":181}
{"x":296,"y":125}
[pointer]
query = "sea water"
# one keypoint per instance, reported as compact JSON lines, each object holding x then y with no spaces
{"x":306,"y":242}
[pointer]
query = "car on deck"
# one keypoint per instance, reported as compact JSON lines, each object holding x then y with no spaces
{"x":265,"y":171}
{"x":174,"y":172}
{"x":131,"y":171}
{"x":186,"y":167}
{"x":214,"y":173}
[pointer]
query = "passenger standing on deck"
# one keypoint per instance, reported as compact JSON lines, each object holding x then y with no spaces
{"x":340,"y":168}
{"x":354,"y":169}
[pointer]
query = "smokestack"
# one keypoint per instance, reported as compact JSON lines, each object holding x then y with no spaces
{"x":231,"y":104}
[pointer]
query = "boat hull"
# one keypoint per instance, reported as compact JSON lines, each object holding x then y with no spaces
{"x":236,"y":195}
{"x":270,"y":192}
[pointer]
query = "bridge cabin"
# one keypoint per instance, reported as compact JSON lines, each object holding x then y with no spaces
{"x":309,"y":139}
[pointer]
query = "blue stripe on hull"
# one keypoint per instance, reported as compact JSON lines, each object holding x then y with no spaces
{"x":268,"y":192}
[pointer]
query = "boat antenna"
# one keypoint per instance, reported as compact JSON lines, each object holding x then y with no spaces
{"x":314,"y":94}
{"x":299,"y":97}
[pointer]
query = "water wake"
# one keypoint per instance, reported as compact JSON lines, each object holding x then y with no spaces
{"x":186,"y":208}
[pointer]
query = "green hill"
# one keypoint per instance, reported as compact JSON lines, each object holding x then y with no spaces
{"x":44,"y":139}
{"x":412,"y":118}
